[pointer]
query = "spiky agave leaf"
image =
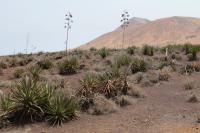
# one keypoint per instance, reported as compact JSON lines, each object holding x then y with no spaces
{"x":60,"y":110}
{"x":5,"y":105}
{"x":26,"y":97}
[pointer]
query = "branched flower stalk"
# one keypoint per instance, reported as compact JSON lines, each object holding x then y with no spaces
{"x":125,"y":22}
{"x":68,"y":26}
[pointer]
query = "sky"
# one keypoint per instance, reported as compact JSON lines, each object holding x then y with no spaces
{"x":42,"y":21}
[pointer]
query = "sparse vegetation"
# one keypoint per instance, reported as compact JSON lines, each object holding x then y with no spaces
{"x":106,"y":84}
{"x":93,"y":49}
{"x":3,"y":65}
{"x":193,"y":99}
{"x":148,"y":50}
{"x":45,"y":64}
{"x":138,"y":65}
{"x":103,"y":53}
{"x":60,"y":109}
{"x":189,"y":85}
{"x":30,"y":101}
{"x":192,"y":56}
{"x":123,"y":60}
{"x":69,"y":66}
{"x":131,"y":50}
{"x":18,"y":73}
{"x":34,"y":72}
{"x":164,"y":76}
{"x":162,"y":65}
{"x":102,"y":105}
{"x":136,"y":91}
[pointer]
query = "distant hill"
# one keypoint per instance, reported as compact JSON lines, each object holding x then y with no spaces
{"x":157,"y":33}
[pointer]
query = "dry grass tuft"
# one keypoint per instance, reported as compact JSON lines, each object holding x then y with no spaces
{"x":193,"y":99}
{"x":136,"y":91}
{"x":102,"y":105}
{"x":125,"y":100}
{"x":189,"y":85}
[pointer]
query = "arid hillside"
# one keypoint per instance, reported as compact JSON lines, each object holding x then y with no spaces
{"x":140,"y":90}
{"x":159,"y":32}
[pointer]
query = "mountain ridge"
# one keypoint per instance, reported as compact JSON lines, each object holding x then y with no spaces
{"x":159,"y":32}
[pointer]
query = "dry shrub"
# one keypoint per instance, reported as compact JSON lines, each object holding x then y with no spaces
{"x":18,"y":73}
{"x":1,"y":71}
{"x":142,"y":78}
{"x":164,"y":76}
{"x":102,"y":105}
{"x":136,"y":91}
{"x":189,"y":85}
{"x":153,"y":77}
{"x":125,"y":100}
{"x":193,"y":99}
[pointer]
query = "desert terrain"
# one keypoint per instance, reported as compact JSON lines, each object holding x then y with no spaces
{"x":141,"y":90}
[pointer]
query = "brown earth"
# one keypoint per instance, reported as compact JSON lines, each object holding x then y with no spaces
{"x":165,"y":109}
{"x":173,"y":30}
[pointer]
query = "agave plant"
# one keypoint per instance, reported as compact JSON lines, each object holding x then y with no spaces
{"x":27,"y":97}
{"x":89,"y":85}
{"x":34,"y":73}
{"x":109,"y":88}
{"x":61,"y":109}
{"x":5,"y":104}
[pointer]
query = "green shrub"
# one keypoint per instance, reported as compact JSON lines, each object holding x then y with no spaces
{"x":89,"y":83}
{"x":138,"y":65}
{"x":13,"y":62}
{"x":60,"y":110}
{"x":107,"y":84}
{"x":45,"y":64}
{"x":5,"y":104}
{"x":18,"y":73}
{"x":31,"y":101}
{"x":187,"y":48}
{"x":69,"y":66}
{"x":34,"y":72}
{"x":25,"y":61}
{"x":103,"y":52}
{"x":148,"y":50}
{"x":89,"y":80}
{"x":27,"y":98}
{"x":1,"y":71}
{"x":122,"y":60}
{"x":3,"y":65}
{"x":162,"y":65}
{"x":172,"y":48}
{"x":111,"y":74}
{"x":93,"y":49}
{"x":192,"y":56}
{"x":131,"y":50}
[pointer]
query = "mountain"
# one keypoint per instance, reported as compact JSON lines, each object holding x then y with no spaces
{"x":159,"y":33}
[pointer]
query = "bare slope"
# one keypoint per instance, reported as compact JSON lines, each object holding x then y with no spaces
{"x":157,"y":33}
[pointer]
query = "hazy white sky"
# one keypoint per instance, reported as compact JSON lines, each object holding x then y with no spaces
{"x":44,"y":20}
